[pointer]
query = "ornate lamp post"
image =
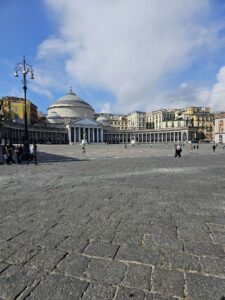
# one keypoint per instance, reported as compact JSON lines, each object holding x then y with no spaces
{"x":25,"y":68}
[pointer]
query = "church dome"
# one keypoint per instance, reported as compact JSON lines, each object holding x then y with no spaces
{"x":71,"y":106}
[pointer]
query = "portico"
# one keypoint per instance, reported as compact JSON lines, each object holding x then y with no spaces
{"x":85,"y":129}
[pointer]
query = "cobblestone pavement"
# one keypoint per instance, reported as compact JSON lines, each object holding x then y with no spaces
{"x":115,"y":224}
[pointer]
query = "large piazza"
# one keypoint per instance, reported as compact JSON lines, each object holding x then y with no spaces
{"x":71,"y":120}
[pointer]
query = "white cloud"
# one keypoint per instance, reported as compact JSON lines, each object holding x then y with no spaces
{"x":128,"y":47}
{"x":217,"y":94}
{"x":106,"y":108}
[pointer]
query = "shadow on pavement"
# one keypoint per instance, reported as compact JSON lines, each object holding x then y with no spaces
{"x":44,"y":157}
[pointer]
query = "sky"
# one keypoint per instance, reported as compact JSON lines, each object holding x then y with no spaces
{"x":119,"y":56}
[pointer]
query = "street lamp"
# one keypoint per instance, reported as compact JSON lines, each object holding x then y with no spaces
{"x":25,"y":68}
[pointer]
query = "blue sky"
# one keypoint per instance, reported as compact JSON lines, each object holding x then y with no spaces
{"x":119,"y":56}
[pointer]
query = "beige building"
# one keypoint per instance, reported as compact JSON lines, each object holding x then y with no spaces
{"x":156,"y":119}
{"x":136,"y":120}
{"x":118,"y":121}
{"x":13,"y":110}
{"x":202,"y":119}
{"x":219,"y":129}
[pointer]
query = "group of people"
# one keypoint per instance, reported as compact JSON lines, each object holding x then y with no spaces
{"x":16,"y":154}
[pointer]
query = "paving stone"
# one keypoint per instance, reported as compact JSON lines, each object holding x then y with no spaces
{"x":128,"y":293}
{"x":8,"y":232}
{"x":216,"y":227}
{"x":8,"y":248}
{"x":3,"y":266}
{"x":101,"y":249}
{"x":139,"y":254}
{"x":116,"y":195}
{"x":105,"y":271}
{"x":213,"y":266}
{"x":68,"y":229}
{"x":28,"y":237}
{"x":156,"y":296}
{"x":181,"y":261}
{"x":23,"y":254}
{"x":164,"y":242}
{"x":138,"y":276}
{"x":168,"y":282}
{"x":99,"y":291}
{"x":72,"y":244}
{"x":59,"y":287}
{"x":128,"y":234}
{"x":218,"y":238}
{"x":200,"y":287}
{"x":194,"y":235}
{"x":205,"y":249}
{"x":73,"y":265}
{"x":106,"y":233}
{"x":46,"y":259}
{"x":15,"y":279}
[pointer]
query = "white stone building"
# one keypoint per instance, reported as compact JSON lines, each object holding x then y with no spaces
{"x":78,"y":117}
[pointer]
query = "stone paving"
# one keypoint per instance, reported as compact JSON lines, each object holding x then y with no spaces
{"x":114,"y":224}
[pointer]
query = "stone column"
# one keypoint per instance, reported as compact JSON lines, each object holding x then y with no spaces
{"x":102,"y":135}
{"x":69,"y":133}
{"x":97,"y":136}
{"x":79,"y":134}
{"x":93,"y":135}
{"x":75,"y":134}
{"x":89,"y":136}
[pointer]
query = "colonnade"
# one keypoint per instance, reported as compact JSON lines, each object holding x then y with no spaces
{"x":147,"y":137}
{"x":15,"y":134}
{"x":90,"y":134}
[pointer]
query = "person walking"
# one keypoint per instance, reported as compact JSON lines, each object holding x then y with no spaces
{"x":178,"y":151}
{"x":34,"y":153}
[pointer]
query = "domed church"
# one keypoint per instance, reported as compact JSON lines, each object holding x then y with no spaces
{"x":68,"y":107}
{"x":78,"y":117}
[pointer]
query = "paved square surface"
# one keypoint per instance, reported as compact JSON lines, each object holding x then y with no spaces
{"x":114,"y":223}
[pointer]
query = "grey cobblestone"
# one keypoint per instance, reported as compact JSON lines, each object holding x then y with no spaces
{"x":205,"y":249}
{"x":8,"y":248}
{"x":214,"y":266}
{"x":199,"y":287}
{"x":99,"y":291}
{"x":72,"y":244}
{"x":73,"y":265}
{"x":100,"y":227}
{"x":138,"y":276}
{"x":101,"y":249}
{"x":46,"y":259}
{"x":105,"y":271}
{"x":59,"y":287}
{"x":3,"y":266}
{"x":23,"y":254}
{"x":15,"y":280}
{"x":168,"y":282}
{"x":129,"y":293}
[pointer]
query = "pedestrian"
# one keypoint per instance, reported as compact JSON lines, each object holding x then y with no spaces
{"x":1,"y":154}
{"x":5,"y":155}
{"x":214,"y":148}
{"x":19,"y":153}
{"x":11,"y":153}
{"x":35,"y":153}
{"x":83,"y":149}
{"x":178,"y":151}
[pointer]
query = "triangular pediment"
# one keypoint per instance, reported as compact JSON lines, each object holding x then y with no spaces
{"x":85,"y":122}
